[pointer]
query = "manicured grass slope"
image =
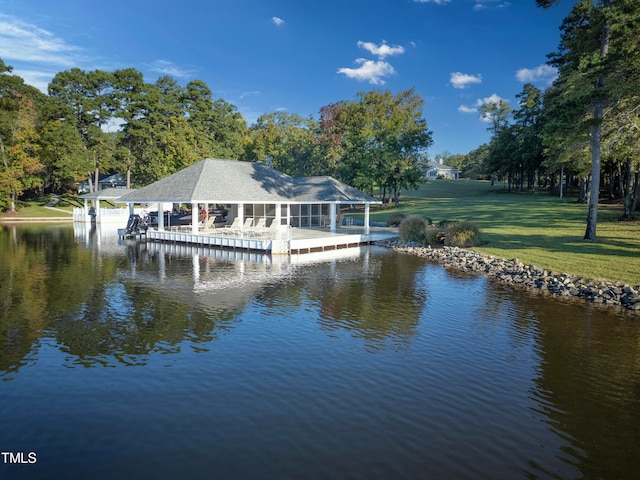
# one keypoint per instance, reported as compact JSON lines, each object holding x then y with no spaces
{"x":537,"y":229}
{"x":34,"y":210}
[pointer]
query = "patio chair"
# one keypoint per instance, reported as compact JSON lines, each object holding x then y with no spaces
{"x":233,"y":227}
{"x":234,"y":224}
{"x":258,"y":228}
{"x":247,"y":223}
{"x":208,"y":224}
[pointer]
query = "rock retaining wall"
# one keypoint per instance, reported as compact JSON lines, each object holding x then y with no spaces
{"x":515,"y":273}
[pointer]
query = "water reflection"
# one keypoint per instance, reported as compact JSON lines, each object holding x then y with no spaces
{"x":119,"y":301}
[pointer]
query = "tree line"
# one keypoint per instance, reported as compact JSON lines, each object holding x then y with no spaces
{"x":583,"y":131}
{"x":94,"y":122}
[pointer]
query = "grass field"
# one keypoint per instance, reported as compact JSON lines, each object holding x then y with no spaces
{"x":537,"y":229}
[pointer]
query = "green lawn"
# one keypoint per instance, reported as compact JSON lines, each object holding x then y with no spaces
{"x":537,"y":229}
{"x":34,"y":210}
{"x":37,"y":208}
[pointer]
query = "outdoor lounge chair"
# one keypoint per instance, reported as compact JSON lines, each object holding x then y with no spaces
{"x":236,"y":228}
{"x":274,"y":226}
{"x":247,"y":223}
{"x":233,"y":227}
{"x":258,"y":228}
{"x":208,"y":224}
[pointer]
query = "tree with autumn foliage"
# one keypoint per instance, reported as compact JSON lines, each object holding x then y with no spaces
{"x":375,"y":143}
{"x":19,"y":147}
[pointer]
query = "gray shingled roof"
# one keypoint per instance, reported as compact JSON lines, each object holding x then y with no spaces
{"x":106,"y":194}
{"x":233,"y":181}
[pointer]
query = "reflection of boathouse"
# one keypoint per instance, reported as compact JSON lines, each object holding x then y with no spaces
{"x":266,"y":209}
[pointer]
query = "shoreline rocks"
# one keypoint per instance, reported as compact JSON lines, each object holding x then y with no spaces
{"x":516,"y":274}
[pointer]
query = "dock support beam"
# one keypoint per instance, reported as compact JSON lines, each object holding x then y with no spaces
{"x":366,"y":217}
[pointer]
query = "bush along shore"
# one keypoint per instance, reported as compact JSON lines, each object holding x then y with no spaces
{"x":517,"y":274}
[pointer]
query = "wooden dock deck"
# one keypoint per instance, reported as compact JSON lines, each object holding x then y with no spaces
{"x":285,"y":242}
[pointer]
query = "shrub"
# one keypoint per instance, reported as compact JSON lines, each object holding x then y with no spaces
{"x":413,"y":229}
{"x":435,"y":236}
{"x":461,"y":234}
{"x":395,"y":219}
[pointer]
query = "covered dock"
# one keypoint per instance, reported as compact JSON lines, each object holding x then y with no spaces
{"x":267,"y":210}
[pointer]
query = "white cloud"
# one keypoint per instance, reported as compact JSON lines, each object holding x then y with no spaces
{"x":27,"y":43}
{"x":484,"y":4}
{"x":382,"y":50}
{"x":492,"y":99}
{"x":463,"y":80}
{"x":249,"y":93}
{"x":277,"y":21}
{"x":373,"y":71}
{"x":369,"y":70}
{"x":466,"y":109}
{"x":478,"y":105}
{"x":495,"y":99}
{"x":165,"y":67}
{"x":36,"y":54}
{"x":437,"y":2}
{"x":36,"y":78}
{"x":543,"y":73}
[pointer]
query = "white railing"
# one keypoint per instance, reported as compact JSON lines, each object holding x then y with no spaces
{"x":103,"y":215}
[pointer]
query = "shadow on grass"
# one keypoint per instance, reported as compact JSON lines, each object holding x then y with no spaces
{"x":562,"y":244}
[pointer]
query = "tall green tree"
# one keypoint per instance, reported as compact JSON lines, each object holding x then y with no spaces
{"x":284,"y":140}
{"x":382,"y":137}
{"x":621,"y":133}
{"x":473,"y":163}
{"x":527,"y":120}
{"x":84,"y":99}
{"x":228,"y":129}
{"x":128,"y":95}
{"x":19,"y":137}
{"x":583,"y":67}
{"x":331,"y":138}
{"x":497,"y":114}
{"x":62,"y":153}
{"x":159,"y":135}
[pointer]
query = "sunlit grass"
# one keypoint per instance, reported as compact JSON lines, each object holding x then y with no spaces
{"x":35,"y":210}
{"x":538,"y":229}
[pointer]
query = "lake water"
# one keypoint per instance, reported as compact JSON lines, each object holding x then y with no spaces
{"x":132,"y":360}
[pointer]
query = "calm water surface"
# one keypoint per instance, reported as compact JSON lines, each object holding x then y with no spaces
{"x":125,"y":360}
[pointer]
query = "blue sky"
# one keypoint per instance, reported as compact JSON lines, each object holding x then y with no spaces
{"x":295,"y":55}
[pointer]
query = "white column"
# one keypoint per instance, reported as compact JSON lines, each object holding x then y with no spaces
{"x":160,"y":217}
{"x":241,"y":214}
{"x":278,"y":218}
{"x":195,"y":213}
{"x":366,"y":217}
{"x":98,"y":211}
{"x":334,"y":216}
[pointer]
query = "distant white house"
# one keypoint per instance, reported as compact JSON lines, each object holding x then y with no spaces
{"x":440,"y":170}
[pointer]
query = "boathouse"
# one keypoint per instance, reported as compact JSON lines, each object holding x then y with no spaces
{"x":255,"y":191}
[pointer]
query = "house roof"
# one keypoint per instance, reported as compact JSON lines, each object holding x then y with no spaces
{"x":439,"y":166}
{"x":233,"y":181}
{"x":106,"y":194}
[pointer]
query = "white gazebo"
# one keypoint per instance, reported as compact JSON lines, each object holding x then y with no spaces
{"x":253,"y":190}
